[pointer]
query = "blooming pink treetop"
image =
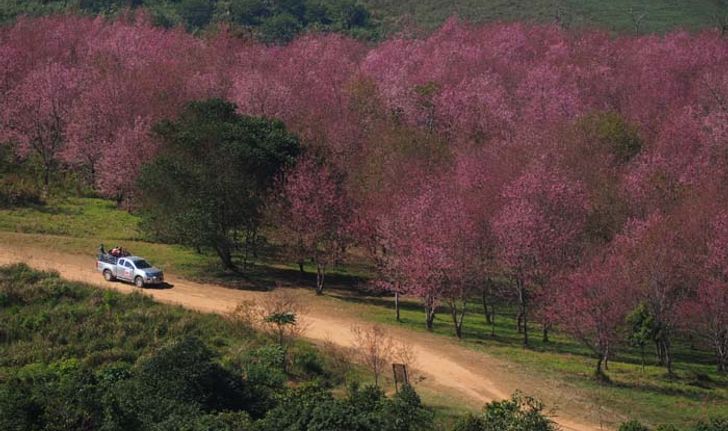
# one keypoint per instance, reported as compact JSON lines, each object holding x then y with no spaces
{"x":539,"y":227}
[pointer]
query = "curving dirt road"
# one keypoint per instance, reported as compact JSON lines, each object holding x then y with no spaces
{"x":472,"y":378}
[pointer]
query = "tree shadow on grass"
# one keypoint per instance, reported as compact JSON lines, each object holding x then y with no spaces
{"x":263,"y":277}
{"x":698,"y":393}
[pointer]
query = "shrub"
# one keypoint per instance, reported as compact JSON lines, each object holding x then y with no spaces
{"x":16,"y":192}
{"x":521,"y":412}
{"x":633,"y":425}
{"x":714,"y":424}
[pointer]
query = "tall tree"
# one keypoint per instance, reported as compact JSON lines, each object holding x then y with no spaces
{"x":538,"y":232}
{"x":707,"y":310}
{"x":36,"y":114}
{"x":215,"y":167}
{"x":592,"y":306}
{"x":317,"y":213}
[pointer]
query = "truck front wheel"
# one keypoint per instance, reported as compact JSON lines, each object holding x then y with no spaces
{"x":139,"y":282}
{"x":108,"y":276}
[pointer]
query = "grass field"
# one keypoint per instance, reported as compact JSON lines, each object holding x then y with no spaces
{"x":696,"y":391}
{"x":614,"y":15}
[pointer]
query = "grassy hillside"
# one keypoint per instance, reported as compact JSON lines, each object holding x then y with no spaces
{"x":279,"y":20}
{"x":697,"y":391}
{"x":73,"y":357}
{"x":617,"y":15}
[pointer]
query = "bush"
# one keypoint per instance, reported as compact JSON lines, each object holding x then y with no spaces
{"x":521,"y":412}
{"x":714,"y":424}
{"x":307,"y":362}
{"x":633,"y":425}
{"x":17,"y":192}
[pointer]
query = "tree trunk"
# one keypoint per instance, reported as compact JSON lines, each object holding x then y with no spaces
{"x":668,"y":356}
{"x":599,"y":372}
{"x":223,"y":250}
{"x":46,"y":182}
{"x":525,"y":326}
{"x":492,"y":323}
{"x":523,"y":312}
{"x":486,"y":312}
{"x":659,"y":352}
{"x":720,"y":342}
{"x":546,"y":333}
{"x":396,"y":305}
{"x":320,"y":274}
{"x":429,"y":317}
{"x":458,"y":317}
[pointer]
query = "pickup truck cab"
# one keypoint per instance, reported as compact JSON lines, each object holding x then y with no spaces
{"x":133,"y":269}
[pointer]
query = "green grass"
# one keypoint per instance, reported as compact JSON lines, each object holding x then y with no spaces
{"x":78,"y":225}
{"x":696,"y":391}
{"x":52,"y":329}
{"x":660,"y":15}
{"x":45,"y":320}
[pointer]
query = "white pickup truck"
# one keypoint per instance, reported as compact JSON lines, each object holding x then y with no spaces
{"x":133,"y":269}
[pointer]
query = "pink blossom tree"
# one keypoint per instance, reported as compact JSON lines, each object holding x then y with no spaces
{"x":538,"y":232}
{"x":707,"y":311}
{"x":660,"y":260}
{"x":317,"y":214}
{"x":592,"y":304}
{"x":36,"y":114}
{"x":431,"y":250}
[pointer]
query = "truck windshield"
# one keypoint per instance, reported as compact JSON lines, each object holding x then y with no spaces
{"x":142,"y":264}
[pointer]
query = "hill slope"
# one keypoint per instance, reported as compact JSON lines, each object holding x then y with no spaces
{"x":618,"y":15}
{"x":279,"y":20}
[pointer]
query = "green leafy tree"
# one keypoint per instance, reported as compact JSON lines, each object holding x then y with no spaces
{"x":280,"y":28}
{"x":196,"y":13}
{"x":207,"y":186}
{"x":281,"y":321}
{"x":642,"y":329}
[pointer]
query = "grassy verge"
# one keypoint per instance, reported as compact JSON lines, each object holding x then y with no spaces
{"x":697,"y":391}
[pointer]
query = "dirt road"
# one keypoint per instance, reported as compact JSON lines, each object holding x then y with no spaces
{"x":472,"y":378}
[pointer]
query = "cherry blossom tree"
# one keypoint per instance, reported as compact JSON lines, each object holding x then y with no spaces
{"x":538,"y":231}
{"x":36,"y":114}
{"x":592,"y":305}
{"x":660,"y":260}
{"x":431,"y":250}
{"x":316,"y":212}
{"x":707,"y":311}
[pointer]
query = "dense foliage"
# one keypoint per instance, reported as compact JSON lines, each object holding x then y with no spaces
{"x":585,"y":173}
{"x":272,"y":21}
{"x":208,"y":184}
{"x":519,"y":413}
